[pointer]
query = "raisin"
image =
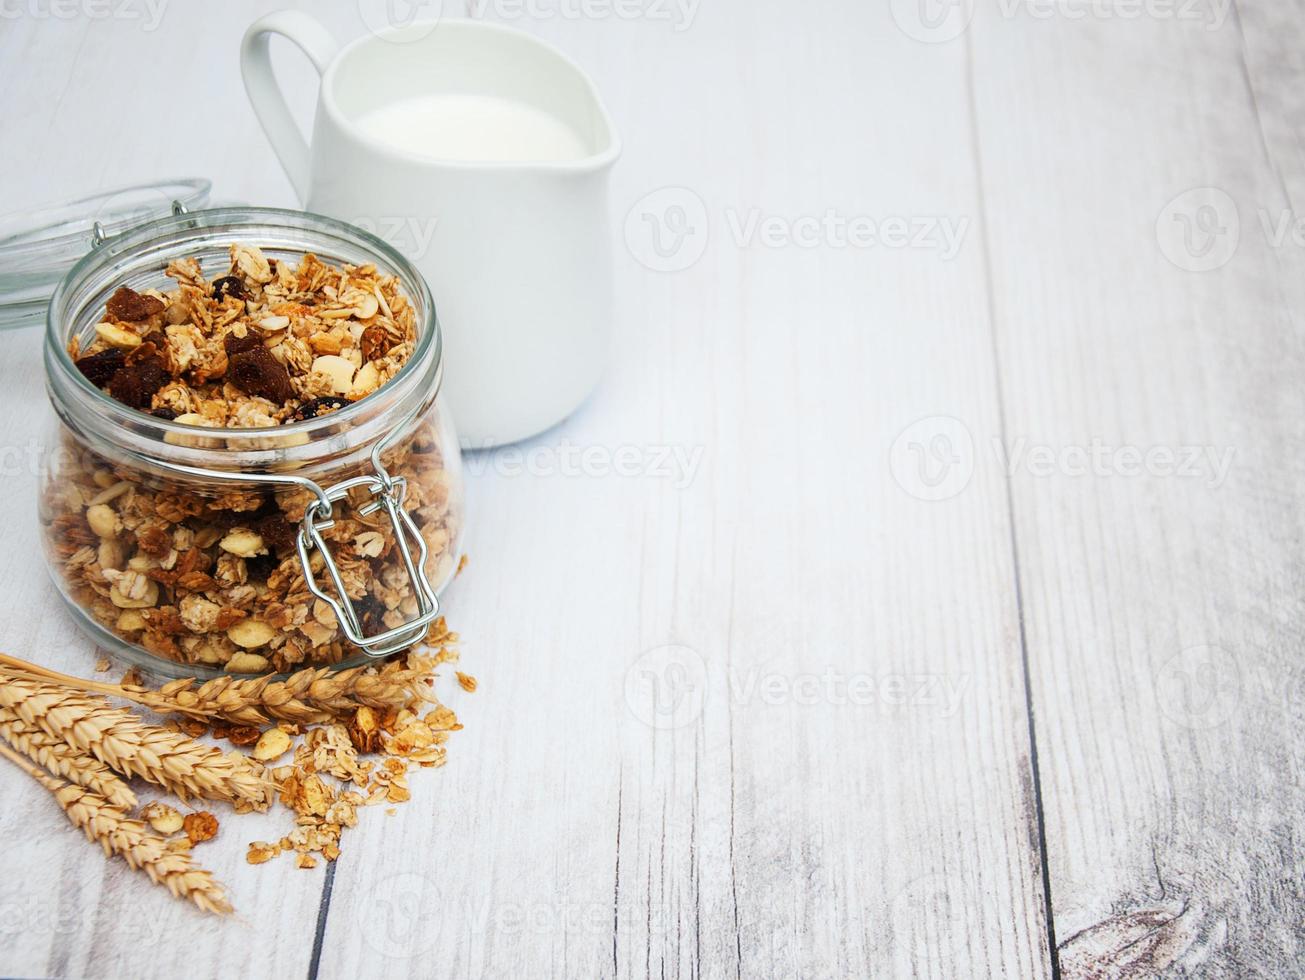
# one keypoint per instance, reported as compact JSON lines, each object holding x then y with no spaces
{"x":228,"y":286}
{"x":371,"y":612}
{"x":275,"y":531}
{"x":135,"y":384}
{"x":164,"y":413}
{"x":319,"y":406}
{"x":256,"y":372}
{"x":99,"y":368}
{"x":128,"y":305}
{"x":260,"y":567}
{"x":238,"y":345}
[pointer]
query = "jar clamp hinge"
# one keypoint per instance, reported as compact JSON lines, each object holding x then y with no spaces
{"x":387,"y":494}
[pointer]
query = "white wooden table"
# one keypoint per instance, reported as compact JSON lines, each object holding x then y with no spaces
{"x":960,"y":635}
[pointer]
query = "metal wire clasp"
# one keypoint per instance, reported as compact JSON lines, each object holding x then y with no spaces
{"x":387,"y":494}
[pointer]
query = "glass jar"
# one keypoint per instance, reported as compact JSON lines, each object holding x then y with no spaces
{"x":195,"y":551}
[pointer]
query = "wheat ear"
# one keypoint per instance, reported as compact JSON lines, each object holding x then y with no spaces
{"x":123,"y":742}
{"x":129,"y":839}
{"x":65,"y":761}
{"x":313,"y":696}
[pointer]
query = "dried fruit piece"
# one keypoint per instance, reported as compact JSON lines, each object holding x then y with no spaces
{"x":275,"y":531}
{"x":319,"y":406}
{"x":228,"y":286}
{"x":164,"y":413}
{"x":130,"y":306}
{"x":243,"y":735}
{"x":234,"y":344}
{"x":99,"y":368}
{"x":257,"y":372}
{"x":136,"y":384}
{"x":200,"y":826}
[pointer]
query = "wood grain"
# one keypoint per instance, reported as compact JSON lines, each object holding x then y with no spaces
{"x":1162,"y":611}
{"x":758,"y":704}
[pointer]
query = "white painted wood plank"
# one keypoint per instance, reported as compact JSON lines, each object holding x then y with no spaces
{"x":1162,"y":610}
{"x":568,"y":837}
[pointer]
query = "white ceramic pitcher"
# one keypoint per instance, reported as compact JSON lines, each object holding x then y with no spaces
{"x":517,"y":254}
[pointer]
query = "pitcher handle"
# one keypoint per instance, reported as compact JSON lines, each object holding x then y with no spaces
{"x":266,"y":96}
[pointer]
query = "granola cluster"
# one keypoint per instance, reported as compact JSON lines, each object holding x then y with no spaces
{"x":266,"y":344}
{"x":209,"y":574}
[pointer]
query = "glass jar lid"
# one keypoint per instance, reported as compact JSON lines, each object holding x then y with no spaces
{"x":38,"y":246}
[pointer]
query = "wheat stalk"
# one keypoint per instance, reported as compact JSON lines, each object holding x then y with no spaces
{"x":123,"y":742}
{"x":63,"y":760}
{"x":130,"y":839}
{"x":307,"y":697}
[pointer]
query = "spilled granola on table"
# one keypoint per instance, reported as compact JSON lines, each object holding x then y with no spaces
{"x":212,"y":576}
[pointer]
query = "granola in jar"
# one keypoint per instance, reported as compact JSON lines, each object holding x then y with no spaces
{"x":207,"y":572}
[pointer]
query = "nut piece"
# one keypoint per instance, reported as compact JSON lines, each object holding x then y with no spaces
{"x":272,"y":744}
{"x":132,"y":590}
{"x":369,"y":544}
{"x":338,"y":369}
{"x":247,"y":663}
{"x":103,"y":521}
{"x":273,"y":323}
{"x":243,"y":543}
{"x":200,"y":826}
{"x":116,"y":336}
{"x":162,"y":818}
{"x":250,"y":633}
